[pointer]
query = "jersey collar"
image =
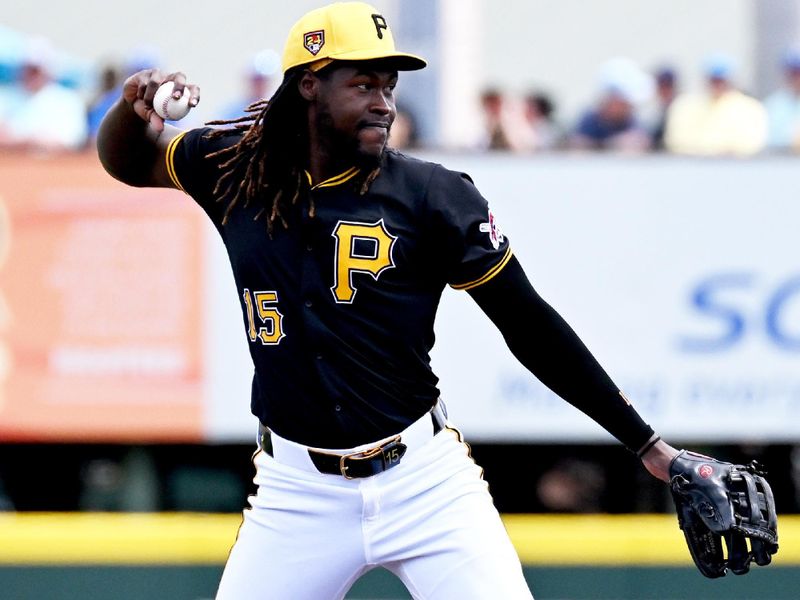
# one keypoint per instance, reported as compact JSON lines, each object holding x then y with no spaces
{"x":335,"y":180}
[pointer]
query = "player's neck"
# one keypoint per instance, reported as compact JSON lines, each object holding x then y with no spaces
{"x":324,"y":164}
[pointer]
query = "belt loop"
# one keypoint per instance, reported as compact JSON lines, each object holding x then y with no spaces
{"x":265,"y":439}
{"x":439,"y":416}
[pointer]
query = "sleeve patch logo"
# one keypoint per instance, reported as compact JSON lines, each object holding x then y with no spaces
{"x":313,"y":41}
{"x":494,"y":231}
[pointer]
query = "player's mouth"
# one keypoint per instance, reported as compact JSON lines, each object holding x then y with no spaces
{"x":384,"y":125}
{"x":374,"y":131}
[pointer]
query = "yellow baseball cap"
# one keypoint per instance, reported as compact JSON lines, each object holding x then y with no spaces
{"x":344,"y":31}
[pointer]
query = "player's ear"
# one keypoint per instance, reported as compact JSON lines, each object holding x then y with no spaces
{"x":308,"y":85}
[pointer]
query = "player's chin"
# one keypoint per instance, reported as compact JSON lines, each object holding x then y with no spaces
{"x":372,"y":142}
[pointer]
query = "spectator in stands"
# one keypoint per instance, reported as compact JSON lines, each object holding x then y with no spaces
{"x":666,"y":92}
{"x":143,"y":57}
{"x":51,"y":116}
{"x":540,"y":131}
{"x":12,"y":46}
{"x":497,"y":135}
{"x":613,"y":124}
{"x":722,"y":121}
{"x":109,"y":83}
{"x":259,"y":83}
{"x":783,"y":107}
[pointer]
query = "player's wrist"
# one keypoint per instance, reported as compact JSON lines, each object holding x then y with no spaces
{"x":658,"y":457}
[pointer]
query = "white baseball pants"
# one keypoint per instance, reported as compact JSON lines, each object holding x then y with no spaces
{"x":430,"y":520}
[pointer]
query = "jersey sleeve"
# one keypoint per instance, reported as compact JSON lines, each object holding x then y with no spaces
{"x":468,"y":241}
{"x":194,"y":171}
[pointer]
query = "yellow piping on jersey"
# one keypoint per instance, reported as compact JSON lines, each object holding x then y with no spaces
{"x":335,"y":180}
{"x":171,"y":158}
{"x":489,"y":275}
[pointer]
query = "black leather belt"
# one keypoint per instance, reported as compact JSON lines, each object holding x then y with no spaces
{"x":366,"y":463}
{"x":360,"y":464}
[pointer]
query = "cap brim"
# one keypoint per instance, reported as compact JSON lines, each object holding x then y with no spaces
{"x":398,"y":60}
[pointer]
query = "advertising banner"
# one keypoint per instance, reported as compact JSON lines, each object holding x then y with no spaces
{"x":681,"y":276}
{"x":101,"y":306}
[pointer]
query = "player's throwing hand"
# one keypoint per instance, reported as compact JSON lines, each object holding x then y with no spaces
{"x":140,"y":89}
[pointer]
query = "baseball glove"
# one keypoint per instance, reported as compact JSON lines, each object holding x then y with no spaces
{"x":718,"y":500}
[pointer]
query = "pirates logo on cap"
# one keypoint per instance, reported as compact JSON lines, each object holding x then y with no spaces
{"x":313,"y":41}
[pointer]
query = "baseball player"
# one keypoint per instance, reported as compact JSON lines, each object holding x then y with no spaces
{"x":340,"y":249}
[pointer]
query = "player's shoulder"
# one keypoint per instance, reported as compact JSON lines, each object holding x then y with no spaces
{"x":419,"y":172}
{"x":194,"y":157}
{"x":207,"y":140}
{"x":395,"y":161}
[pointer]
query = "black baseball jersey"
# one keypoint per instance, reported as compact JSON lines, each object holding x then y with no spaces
{"x":339,"y":307}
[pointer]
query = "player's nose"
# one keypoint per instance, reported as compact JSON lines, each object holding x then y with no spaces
{"x":381,"y":104}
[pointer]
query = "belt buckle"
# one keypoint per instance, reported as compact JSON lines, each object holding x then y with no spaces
{"x":394,"y":455}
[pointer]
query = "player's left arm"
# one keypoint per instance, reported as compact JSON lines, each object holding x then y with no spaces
{"x":548,"y":347}
{"x":715,"y":500}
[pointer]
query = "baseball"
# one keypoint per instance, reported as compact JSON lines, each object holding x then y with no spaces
{"x":168,"y":107}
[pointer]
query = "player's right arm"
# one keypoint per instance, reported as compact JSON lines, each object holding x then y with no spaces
{"x":132,"y":140}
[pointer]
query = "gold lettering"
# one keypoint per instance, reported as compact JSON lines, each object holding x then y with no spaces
{"x":272,"y":319}
{"x":251,"y":326}
{"x":348,"y":261}
{"x":270,"y":316}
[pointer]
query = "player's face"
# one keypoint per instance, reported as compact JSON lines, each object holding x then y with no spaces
{"x":356,"y":108}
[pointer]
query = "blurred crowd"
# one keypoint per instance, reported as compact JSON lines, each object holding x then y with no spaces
{"x":45,"y":106}
{"x":51,"y":103}
{"x":636,"y":111}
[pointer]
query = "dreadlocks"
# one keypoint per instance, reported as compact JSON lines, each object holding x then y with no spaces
{"x":267,"y":164}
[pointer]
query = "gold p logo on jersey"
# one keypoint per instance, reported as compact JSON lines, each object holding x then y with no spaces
{"x":360,"y":248}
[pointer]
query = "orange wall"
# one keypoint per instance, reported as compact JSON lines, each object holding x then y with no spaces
{"x":100,"y":305}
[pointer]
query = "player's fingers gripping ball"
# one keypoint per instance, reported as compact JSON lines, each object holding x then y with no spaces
{"x":167,"y":106}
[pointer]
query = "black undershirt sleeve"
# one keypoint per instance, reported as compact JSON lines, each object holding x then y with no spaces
{"x":548,"y":347}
